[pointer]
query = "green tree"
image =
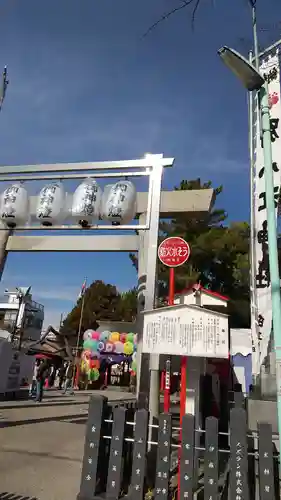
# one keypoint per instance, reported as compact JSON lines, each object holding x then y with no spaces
{"x":219,"y":255}
{"x":101,"y":302}
{"x":128,"y":305}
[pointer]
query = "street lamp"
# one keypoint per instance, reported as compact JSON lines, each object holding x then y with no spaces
{"x":253,"y":80}
{"x":243,"y":69}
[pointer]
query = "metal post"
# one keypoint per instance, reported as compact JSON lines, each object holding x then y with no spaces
{"x":78,"y":336}
{"x":255,"y":32}
{"x":253,"y":289}
{"x":156,"y":179}
{"x":272,"y":241}
{"x":142,"y":358}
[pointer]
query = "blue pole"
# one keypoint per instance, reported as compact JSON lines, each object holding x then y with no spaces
{"x":272,"y":243}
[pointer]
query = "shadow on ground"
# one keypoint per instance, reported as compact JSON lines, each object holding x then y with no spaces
{"x":14,"y":496}
{"x":74,"y":418}
{"x":38,"y":454}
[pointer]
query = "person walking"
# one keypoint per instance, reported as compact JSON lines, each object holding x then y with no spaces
{"x":32,"y":387}
{"x":68,"y":379}
{"x":42,"y":373}
{"x":62,"y":371}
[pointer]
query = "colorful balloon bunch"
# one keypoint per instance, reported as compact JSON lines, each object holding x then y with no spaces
{"x":90,"y":365}
{"x":109,"y":342}
{"x":95,"y":343}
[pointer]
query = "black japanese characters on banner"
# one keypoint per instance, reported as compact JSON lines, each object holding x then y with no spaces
{"x":261,"y":297}
{"x":262,"y":197}
{"x":275,"y":168}
{"x":260,"y":320}
{"x":274,"y":122}
{"x":263,"y":276}
{"x":271,"y":75}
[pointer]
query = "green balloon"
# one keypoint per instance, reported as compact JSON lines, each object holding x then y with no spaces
{"x":94,"y":374}
{"x":130,"y":337}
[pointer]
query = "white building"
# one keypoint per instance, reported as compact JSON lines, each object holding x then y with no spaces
{"x":25,"y":314}
{"x":18,"y":314}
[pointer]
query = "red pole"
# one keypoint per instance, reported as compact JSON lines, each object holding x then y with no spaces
{"x":167,"y":387}
{"x":183,"y":387}
{"x":171,"y":286}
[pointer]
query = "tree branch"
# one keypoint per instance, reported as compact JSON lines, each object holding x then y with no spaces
{"x":185,"y":3}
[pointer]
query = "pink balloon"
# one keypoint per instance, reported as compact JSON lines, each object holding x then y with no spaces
{"x":123,"y":337}
{"x":95,"y":336}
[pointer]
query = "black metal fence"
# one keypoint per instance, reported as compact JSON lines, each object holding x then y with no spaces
{"x":212,"y":465}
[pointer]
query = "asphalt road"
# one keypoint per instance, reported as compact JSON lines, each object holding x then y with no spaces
{"x":41,"y":446}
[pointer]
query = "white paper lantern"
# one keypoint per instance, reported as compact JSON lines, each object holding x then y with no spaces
{"x":119,"y":202}
{"x":50,"y":205}
{"x":15,"y":205}
{"x":86,"y":202}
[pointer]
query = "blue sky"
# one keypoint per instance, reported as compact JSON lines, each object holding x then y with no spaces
{"x":85,"y":86}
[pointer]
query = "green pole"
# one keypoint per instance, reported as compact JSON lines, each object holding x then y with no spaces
{"x":272,"y":242}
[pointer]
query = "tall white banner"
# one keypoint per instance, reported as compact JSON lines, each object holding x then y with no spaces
{"x":271,"y":70}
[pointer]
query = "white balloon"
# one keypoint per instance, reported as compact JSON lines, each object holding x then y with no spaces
{"x":87,"y":334}
{"x":15,"y":205}
{"x":50,"y":205}
{"x":119,"y":202}
{"x":86,"y":201}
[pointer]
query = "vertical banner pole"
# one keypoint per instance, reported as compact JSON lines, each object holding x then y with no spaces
{"x":82,"y":292}
{"x":253,"y":289}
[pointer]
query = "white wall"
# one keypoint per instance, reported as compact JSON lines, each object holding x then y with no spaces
{"x":205,"y":300}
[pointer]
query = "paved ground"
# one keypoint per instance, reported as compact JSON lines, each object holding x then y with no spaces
{"x":41,"y":446}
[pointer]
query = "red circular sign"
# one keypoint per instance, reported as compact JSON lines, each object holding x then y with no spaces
{"x":174,"y":251}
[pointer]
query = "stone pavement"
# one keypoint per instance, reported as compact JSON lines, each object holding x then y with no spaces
{"x":41,"y":445}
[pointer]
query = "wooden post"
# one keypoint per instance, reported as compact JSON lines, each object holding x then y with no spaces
{"x":91,"y":448}
{"x":163,"y":457}
{"x":116,"y":449}
{"x":136,"y":490}
{"x":239,"y":487}
{"x":186,"y":458}
{"x":266,"y":470}
{"x":211,"y":462}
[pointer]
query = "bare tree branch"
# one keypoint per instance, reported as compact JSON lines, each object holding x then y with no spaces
{"x":185,"y":3}
{"x":194,"y":13}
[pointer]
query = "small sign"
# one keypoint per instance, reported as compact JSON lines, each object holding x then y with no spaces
{"x":186,"y":331}
{"x":173,"y":252}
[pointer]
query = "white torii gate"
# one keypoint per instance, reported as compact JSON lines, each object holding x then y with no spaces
{"x":150,"y":207}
